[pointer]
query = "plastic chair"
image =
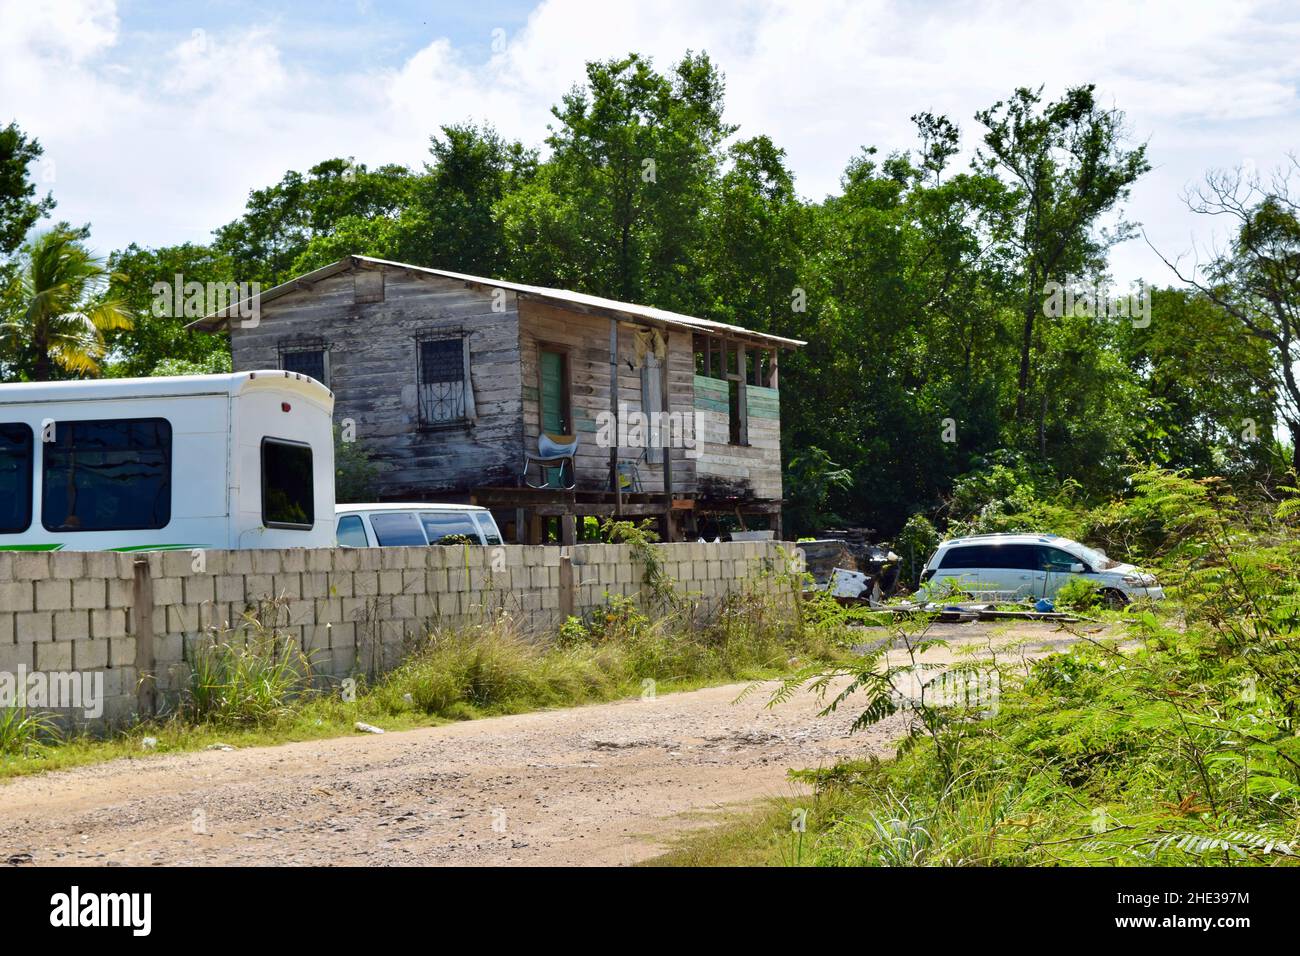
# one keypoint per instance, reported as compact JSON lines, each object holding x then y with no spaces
{"x":552,"y":449}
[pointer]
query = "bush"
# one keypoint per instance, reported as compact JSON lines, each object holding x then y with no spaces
{"x":1079,"y":594}
{"x":250,"y":674}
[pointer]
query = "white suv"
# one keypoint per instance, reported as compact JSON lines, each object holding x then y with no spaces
{"x":1012,"y":567}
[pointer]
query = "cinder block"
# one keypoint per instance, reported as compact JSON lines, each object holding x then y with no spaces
{"x":390,"y":582}
{"x":90,"y":655}
{"x":293,"y":560}
{"x":89,"y":593}
{"x":365,"y":583}
{"x":167,"y":591}
{"x":13,"y":656}
{"x":183,"y":619}
{"x":353,"y":609}
{"x":287,"y":585}
{"x":316,"y":638}
{"x":199,"y":588}
{"x":329,"y":610}
{"x":343,"y":635}
{"x":302,"y":613}
{"x":341,"y":584}
{"x":319,"y":559}
{"x":230,"y":588}
{"x":100,"y":564}
{"x":17,"y":596}
{"x":120,"y":592}
{"x":53,"y":595}
{"x":31,"y":565}
{"x":108,"y":622}
{"x":240,"y":562}
{"x":342,"y":660}
{"x":167,"y":648}
{"x":413,"y":581}
{"x":267,"y":562}
{"x":54,"y":656}
{"x":67,"y":565}
{"x":315,"y":584}
{"x":258,"y":587}
{"x":121,"y":653}
{"x":71,"y":625}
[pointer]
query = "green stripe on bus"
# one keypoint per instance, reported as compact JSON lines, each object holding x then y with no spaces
{"x":30,"y":547}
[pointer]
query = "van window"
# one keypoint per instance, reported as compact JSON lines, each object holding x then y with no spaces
{"x":1021,"y":557}
{"x":1054,"y":559}
{"x":351,"y":533}
{"x":445,"y":524}
{"x":110,"y":475}
{"x":15,"y":478}
{"x":288,"y":497}
{"x":397,"y":529}
{"x":967,"y":556}
{"x":488,"y":525}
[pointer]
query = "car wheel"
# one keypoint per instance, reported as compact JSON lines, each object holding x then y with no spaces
{"x":1112,"y":599}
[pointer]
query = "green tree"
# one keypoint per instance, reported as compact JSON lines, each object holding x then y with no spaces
{"x":453,"y":221}
{"x":288,"y":228}
{"x":19,"y":209}
{"x":158,"y":334}
{"x":1256,"y":279}
{"x":56,"y":319}
{"x":1066,"y":166}
{"x":633,"y":157}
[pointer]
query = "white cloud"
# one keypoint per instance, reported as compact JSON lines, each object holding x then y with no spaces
{"x":163,"y":148}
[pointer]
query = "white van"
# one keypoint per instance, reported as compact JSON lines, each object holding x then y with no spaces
{"x":1013,"y":567}
{"x":413,"y":525}
{"x":197,"y":461}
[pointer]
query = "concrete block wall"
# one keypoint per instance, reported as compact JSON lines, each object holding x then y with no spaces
{"x":352,"y":610}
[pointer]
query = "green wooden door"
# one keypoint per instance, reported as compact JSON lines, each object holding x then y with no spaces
{"x":555,"y":405}
{"x":554,"y":419}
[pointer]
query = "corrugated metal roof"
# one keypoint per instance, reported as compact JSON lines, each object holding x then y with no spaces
{"x":217,"y":320}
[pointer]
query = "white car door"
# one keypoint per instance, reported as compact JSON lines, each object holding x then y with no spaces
{"x":1010,"y":572}
{"x":1060,"y":567}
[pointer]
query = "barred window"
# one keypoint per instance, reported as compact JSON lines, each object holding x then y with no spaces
{"x":445,"y":392}
{"x":306,"y":358}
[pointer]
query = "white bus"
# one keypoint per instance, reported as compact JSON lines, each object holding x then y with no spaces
{"x":200,"y":461}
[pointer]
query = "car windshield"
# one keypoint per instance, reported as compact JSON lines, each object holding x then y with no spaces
{"x":1095,"y":559}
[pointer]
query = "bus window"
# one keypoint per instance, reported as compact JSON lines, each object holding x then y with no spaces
{"x":288,"y":496}
{"x":397,"y":529}
{"x":15,"y":478}
{"x":351,"y":533}
{"x":110,"y":475}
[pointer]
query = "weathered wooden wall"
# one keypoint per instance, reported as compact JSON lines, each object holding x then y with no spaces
{"x":585,"y":339}
{"x":374,"y":368}
{"x":724,"y":469}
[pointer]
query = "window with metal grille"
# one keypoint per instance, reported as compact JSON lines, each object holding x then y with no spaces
{"x":306,"y":359}
{"x":443,"y":388}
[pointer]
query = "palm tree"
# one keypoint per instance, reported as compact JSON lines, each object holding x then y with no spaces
{"x":58,"y":320}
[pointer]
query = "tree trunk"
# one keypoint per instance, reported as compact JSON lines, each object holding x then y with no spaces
{"x":41,"y":367}
{"x":1022,"y":383}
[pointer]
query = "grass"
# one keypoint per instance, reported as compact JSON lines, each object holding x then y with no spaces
{"x":250,"y":686}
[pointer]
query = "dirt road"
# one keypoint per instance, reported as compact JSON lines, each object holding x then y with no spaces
{"x":604,"y":784}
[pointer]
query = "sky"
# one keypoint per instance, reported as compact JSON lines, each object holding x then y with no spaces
{"x":158,"y":118}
